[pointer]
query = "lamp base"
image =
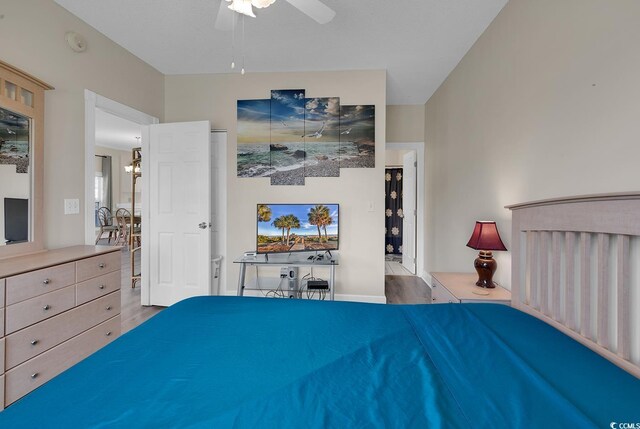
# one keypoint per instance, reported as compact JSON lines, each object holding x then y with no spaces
{"x":485,"y":266}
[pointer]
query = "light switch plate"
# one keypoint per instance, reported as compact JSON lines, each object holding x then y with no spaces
{"x":71,"y":206}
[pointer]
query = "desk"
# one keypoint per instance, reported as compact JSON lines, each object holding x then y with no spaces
{"x":287,"y":260}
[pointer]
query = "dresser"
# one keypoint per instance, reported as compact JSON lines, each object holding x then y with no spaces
{"x":461,"y":288}
{"x":56,"y":308}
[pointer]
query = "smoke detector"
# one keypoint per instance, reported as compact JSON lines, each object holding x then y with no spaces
{"x":75,"y":41}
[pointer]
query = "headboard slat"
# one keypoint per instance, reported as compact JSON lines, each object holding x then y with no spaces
{"x":602,"y":333}
{"x":544,"y":272}
{"x":623,"y":284}
{"x":585,"y":285}
{"x":570,"y":294}
{"x":556,"y":267}
{"x":532,"y":269}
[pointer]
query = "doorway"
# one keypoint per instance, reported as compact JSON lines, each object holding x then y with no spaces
{"x":404,"y":271}
{"x":111,"y":129}
{"x":397,"y":263}
{"x":400,"y":203}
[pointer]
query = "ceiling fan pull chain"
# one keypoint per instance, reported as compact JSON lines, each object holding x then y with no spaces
{"x":242,"y":71}
{"x":233,"y":43}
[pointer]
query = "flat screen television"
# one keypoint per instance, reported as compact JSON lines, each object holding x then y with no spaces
{"x":285,"y":228}
{"x":16,"y":220}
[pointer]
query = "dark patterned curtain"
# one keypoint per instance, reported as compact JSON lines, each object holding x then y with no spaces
{"x":393,"y":211}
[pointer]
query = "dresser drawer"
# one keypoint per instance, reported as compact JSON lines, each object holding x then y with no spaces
{"x":24,"y":378}
{"x":36,"y":339}
{"x":29,"y":285}
{"x":96,"y":287}
{"x":97,"y":265}
{"x":440,"y":295}
{"x":42,"y":307}
{"x":1,"y":322}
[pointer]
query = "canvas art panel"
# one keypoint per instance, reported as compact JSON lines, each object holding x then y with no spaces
{"x":254,"y":137}
{"x":357,"y":136}
{"x":287,"y":136}
{"x":14,"y":140}
{"x":322,"y":138}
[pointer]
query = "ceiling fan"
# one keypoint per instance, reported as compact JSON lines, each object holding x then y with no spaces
{"x":315,"y":9}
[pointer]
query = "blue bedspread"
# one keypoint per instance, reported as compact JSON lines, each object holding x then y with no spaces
{"x":220,"y":362}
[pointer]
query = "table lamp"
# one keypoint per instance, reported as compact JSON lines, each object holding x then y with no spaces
{"x":485,"y":238}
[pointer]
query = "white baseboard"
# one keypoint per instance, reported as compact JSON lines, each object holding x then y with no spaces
{"x":376,"y":299}
{"x":426,"y":277}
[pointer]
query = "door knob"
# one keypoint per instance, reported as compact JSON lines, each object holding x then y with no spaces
{"x":202,"y":225}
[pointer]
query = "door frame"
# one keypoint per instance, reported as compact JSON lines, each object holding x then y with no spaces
{"x":418,"y":147}
{"x":93,"y":101}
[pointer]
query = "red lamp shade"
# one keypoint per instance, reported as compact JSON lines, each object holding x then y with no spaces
{"x":486,"y":237}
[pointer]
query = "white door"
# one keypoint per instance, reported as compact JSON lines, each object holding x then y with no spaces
{"x":178,"y":238}
{"x":409,"y":171}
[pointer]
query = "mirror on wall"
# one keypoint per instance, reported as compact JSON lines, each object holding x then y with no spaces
{"x":15,"y":178}
{"x":21,"y":161}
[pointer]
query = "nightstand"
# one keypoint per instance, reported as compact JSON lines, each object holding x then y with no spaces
{"x":461,"y":288}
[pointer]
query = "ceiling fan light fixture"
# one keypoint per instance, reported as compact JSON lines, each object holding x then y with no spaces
{"x":261,"y":4}
{"x":242,"y":6}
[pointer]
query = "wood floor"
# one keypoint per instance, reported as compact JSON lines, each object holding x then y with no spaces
{"x":406,"y":290}
{"x":395,"y":268}
{"x":132,"y":313}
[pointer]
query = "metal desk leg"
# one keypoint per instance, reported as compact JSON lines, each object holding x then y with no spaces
{"x":332,"y":281}
{"x":243,"y":269}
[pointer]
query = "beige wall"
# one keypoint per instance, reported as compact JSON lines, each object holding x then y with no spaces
{"x":545,"y":104}
{"x":213,"y":97}
{"x":405,"y":123}
{"x":393,"y":157}
{"x":32,"y":34}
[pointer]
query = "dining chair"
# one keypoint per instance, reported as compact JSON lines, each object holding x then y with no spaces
{"x":122,"y":218}
{"x":106,"y":224}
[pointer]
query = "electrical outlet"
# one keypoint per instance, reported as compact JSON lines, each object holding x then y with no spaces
{"x":71,"y":206}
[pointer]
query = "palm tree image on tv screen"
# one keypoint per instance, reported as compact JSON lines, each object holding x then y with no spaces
{"x":284,"y":228}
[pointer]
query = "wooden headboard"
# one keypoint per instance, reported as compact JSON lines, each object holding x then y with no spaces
{"x":576,"y":265}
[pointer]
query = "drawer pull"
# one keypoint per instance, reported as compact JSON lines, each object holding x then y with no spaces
{"x":101,"y":265}
{"x":433,"y":299}
{"x":46,"y":307}
{"x":101,"y":287}
{"x":34,"y":375}
{"x":109,"y":334}
{"x":46,"y":281}
{"x":108,"y":307}
{"x":34,"y":342}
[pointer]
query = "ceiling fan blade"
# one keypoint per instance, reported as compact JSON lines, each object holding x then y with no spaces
{"x":225,"y":17}
{"x":316,"y":10}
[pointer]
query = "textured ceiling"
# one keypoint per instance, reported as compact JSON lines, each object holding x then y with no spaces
{"x":116,"y":133}
{"x":418,"y":42}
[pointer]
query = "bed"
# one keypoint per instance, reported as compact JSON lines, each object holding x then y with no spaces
{"x":254,"y":362}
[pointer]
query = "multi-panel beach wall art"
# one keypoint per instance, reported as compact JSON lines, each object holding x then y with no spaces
{"x":289,"y":137}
